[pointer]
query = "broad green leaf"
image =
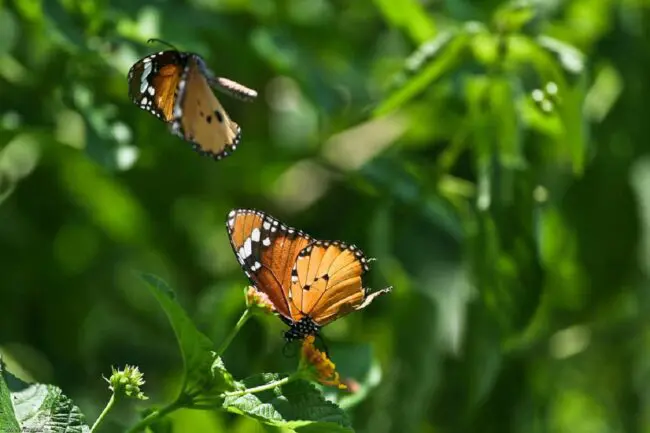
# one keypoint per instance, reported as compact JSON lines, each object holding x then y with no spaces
{"x":205,"y":374}
{"x":8,"y":421}
{"x":37,"y":408}
{"x":297,"y":405}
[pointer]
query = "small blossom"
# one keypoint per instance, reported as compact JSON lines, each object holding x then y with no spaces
{"x":318,"y":365}
{"x":127,"y":382}
{"x":257,"y":299}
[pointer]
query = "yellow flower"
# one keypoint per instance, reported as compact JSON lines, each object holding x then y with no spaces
{"x":319,"y":366}
{"x":255,"y":298}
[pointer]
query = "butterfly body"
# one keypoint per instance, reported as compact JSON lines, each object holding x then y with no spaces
{"x":310,"y":282}
{"x":176,"y":87}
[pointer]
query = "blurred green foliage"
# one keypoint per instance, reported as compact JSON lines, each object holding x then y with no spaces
{"x":492,"y":156}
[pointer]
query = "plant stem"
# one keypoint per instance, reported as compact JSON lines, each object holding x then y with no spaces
{"x":261,"y":388}
{"x":154,"y":416}
{"x":102,"y":415}
{"x":240,"y":323}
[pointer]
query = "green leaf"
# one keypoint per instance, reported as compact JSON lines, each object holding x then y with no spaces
{"x":571,"y":59}
{"x":427,"y":64}
{"x":8,"y":421}
{"x":205,"y":373}
{"x":297,"y":405}
{"x":516,"y":17}
{"x":409,"y":15}
{"x":36,"y":408}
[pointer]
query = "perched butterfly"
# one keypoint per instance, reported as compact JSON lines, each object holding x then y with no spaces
{"x":176,"y":87}
{"x":309,"y":282}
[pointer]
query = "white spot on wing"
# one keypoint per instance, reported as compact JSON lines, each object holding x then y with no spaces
{"x":248,"y":248}
{"x":146,"y":71}
{"x":255,"y":235}
{"x":266,"y":242}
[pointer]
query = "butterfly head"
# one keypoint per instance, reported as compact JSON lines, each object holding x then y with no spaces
{"x":302,"y":328}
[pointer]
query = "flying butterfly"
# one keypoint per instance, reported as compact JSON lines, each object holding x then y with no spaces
{"x":309,"y":282}
{"x":176,"y":87}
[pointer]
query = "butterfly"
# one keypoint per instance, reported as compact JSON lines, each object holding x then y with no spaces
{"x":310,"y":282}
{"x":176,"y":87}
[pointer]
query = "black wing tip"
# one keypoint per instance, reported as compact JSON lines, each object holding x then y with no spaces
{"x":266,"y":217}
{"x":217,"y":156}
{"x":235,"y":212}
{"x":230,"y":218}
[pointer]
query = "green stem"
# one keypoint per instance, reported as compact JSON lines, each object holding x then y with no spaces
{"x":102,"y":415}
{"x":240,"y":323}
{"x":261,"y":388}
{"x":156,"y":415}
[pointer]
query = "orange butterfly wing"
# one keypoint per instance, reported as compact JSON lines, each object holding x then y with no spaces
{"x":326,"y":281}
{"x":176,"y":87}
{"x":199,"y":117}
{"x":266,"y":250}
{"x":166,"y":83}
{"x":153,"y":81}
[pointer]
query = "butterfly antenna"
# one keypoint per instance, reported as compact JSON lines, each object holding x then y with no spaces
{"x":160,"y":41}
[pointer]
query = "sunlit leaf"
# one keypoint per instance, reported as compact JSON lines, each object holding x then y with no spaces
{"x":8,"y":421}
{"x":37,"y":408}
{"x":205,"y":374}
{"x":297,"y":405}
